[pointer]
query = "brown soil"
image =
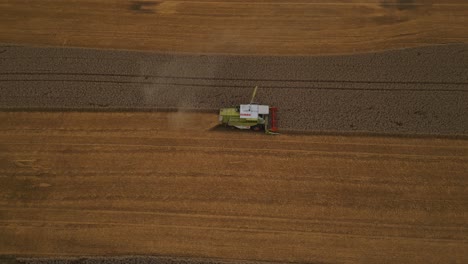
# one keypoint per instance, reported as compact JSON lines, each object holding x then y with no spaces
{"x":129,"y":260}
{"x":87,"y":184}
{"x":310,"y":27}
{"x":413,"y":91}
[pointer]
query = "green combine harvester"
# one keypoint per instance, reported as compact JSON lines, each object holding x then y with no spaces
{"x":250,"y":116}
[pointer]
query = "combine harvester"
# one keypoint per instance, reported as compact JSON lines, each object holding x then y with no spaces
{"x":251,"y":116}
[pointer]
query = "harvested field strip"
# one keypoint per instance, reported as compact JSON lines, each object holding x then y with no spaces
{"x":62,"y":184}
{"x":117,"y":214}
{"x":109,"y":148}
{"x":58,"y":225}
{"x":290,"y":145}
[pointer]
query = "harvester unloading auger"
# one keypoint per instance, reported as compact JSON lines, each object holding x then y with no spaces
{"x":251,"y":116}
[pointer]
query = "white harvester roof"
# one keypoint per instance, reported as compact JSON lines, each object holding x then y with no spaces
{"x":253,"y":110}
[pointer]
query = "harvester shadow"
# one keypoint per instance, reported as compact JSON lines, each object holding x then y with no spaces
{"x":224,"y":129}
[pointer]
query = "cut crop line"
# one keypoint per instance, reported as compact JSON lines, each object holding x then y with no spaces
{"x":231,"y":79}
{"x":239,"y":86}
{"x":306,"y":146}
{"x":238,"y":217}
{"x":238,"y":229}
{"x":148,"y":176}
{"x":246,"y":140}
{"x":99,"y":131}
{"x":235,"y":2}
{"x":312,"y":3}
{"x":242,"y":150}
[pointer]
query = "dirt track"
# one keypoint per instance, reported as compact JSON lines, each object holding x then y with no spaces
{"x":413,"y":91}
{"x":141,"y":183}
{"x":267,"y":27}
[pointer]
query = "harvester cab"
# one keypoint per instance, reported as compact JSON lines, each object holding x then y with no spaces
{"x":251,"y":116}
